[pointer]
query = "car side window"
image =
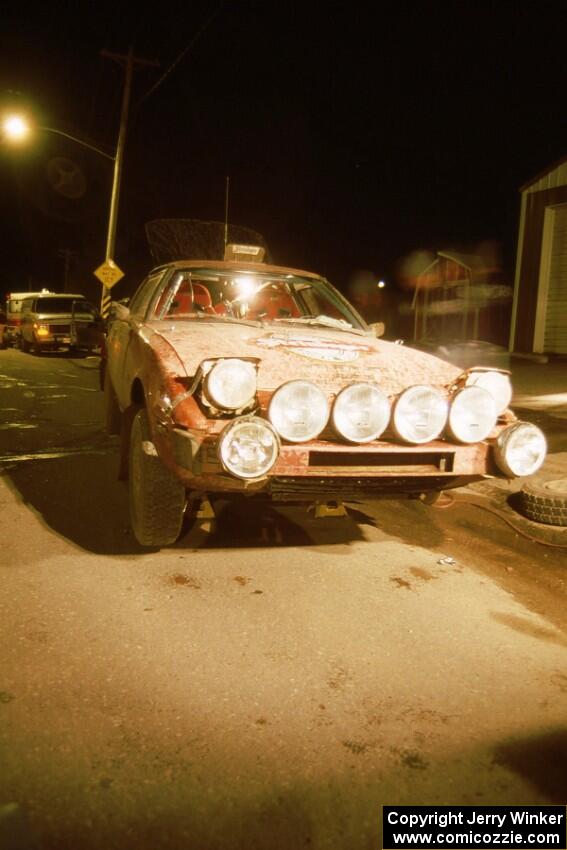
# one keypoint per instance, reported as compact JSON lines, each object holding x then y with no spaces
{"x":144,"y":294}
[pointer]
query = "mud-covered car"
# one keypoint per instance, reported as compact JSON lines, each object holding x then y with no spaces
{"x":240,"y":378}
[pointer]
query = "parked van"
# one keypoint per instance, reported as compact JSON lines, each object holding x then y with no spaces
{"x":10,"y":319}
{"x":53,"y":321}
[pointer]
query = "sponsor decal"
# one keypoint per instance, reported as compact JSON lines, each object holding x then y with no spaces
{"x":327,"y":350}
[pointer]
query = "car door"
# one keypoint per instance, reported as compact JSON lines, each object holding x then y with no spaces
{"x":122,"y":332}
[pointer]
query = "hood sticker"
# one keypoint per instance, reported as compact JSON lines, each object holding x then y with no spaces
{"x":327,"y":350}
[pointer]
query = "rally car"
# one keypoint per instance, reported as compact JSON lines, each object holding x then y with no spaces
{"x":237,"y":377}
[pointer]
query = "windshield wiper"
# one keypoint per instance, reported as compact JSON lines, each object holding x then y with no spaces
{"x":322,"y":321}
{"x":200,"y":317}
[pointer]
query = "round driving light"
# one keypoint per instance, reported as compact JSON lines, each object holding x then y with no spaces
{"x":420,"y":414}
{"x":498,"y":385}
{"x":472,"y":415}
{"x":248,"y":447}
{"x":299,"y":411}
{"x":361,"y":413}
{"x":231,"y":384}
{"x":520,"y":449}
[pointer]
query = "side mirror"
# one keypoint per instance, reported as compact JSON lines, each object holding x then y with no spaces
{"x":379,"y":328}
{"x":119,"y":311}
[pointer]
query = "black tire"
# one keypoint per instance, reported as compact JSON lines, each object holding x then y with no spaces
{"x":157,"y":498}
{"x":24,"y":344}
{"x":545,"y":501}
{"x":36,"y":349}
{"x":112,"y":415}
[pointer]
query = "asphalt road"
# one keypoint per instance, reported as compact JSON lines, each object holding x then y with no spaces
{"x":270,"y":681}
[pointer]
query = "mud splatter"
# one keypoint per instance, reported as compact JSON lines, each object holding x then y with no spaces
{"x":339,"y":679}
{"x":181,"y":580}
{"x":424,"y":575}
{"x":356,"y":747}
{"x":401,"y":582}
{"x":413,"y":760}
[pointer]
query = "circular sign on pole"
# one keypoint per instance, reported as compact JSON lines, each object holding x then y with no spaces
{"x":66,"y":178}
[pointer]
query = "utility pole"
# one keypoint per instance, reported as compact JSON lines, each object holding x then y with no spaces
{"x":109,"y":272}
{"x":67,"y":255}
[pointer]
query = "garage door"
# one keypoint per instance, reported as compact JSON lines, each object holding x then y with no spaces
{"x":555,"y":337}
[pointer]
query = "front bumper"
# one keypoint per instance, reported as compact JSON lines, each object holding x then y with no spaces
{"x":325,"y":468}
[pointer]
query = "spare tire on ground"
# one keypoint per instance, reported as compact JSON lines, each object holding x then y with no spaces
{"x":545,"y":501}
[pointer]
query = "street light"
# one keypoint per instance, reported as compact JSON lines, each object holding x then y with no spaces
{"x":17,"y":128}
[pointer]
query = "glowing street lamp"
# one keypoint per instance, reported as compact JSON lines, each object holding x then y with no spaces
{"x":16,"y":128}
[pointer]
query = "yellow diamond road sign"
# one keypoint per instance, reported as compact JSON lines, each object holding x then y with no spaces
{"x":109,"y":273}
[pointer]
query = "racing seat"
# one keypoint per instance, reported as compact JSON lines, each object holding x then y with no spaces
{"x":202,"y":299}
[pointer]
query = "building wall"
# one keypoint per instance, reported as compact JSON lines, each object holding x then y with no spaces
{"x":530,"y":260}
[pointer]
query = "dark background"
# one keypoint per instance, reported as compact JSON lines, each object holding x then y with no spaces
{"x":352,"y":136}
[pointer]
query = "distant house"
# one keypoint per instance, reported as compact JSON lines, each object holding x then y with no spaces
{"x":539,"y":312}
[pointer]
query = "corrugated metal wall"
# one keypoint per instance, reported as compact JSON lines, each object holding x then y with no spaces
{"x":528,"y":274}
{"x":555,"y":331}
{"x":552,"y":180}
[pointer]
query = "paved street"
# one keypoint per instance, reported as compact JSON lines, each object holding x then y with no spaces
{"x":270,"y":681}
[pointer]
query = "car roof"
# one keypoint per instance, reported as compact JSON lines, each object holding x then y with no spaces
{"x":235,"y":266}
{"x":56,"y":295}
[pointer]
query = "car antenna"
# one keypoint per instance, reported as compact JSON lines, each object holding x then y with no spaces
{"x":226,"y":212}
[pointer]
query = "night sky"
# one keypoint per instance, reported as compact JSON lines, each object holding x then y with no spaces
{"x":352,"y":137}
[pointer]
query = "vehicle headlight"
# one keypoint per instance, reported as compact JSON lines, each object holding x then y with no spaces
{"x":231,"y":384}
{"x":299,"y":411}
{"x":420,"y":414}
{"x":248,"y":447}
{"x":361,"y":413}
{"x":498,"y":385}
{"x":520,"y":449}
{"x":42,"y":330}
{"x":472,"y":415}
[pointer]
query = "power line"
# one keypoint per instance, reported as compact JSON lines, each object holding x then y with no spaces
{"x":181,"y":56}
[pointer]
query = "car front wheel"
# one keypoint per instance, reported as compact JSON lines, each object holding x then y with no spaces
{"x":157,"y":498}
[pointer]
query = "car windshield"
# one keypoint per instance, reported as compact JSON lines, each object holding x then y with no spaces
{"x":54,"y":305}
{"x":254,"y":297}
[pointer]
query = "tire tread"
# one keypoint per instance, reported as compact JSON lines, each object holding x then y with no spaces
{"x":540,"y":505}
{"x":156,"y":509}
